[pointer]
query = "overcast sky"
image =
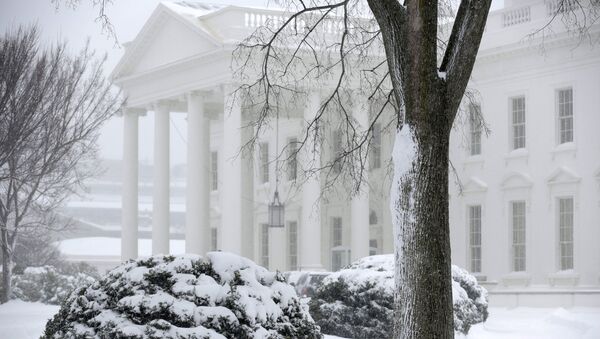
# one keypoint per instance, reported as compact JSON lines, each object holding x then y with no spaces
{"x":77,"y":25}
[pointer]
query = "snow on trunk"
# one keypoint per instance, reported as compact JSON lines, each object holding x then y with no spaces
{"x":403,"y":156}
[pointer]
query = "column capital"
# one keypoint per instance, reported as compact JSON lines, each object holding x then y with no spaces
{"x":161,"y":105}
{"x":197,"y":94}
{"x":131,"y":110}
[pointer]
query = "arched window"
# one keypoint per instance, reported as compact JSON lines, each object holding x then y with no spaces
{"x":373,"y":218}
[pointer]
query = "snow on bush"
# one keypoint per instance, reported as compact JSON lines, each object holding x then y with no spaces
{"x":221,"y":295}
{"x":47,"y":284}
{"x":358,"y":302}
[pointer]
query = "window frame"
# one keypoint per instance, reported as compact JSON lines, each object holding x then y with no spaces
{"x":474,"y":267}
{"x":559,"y":228}
{"x":518,"y":262}
{"x":474,"y":130}
{"x":512,"y":125}
{"x":264,"y":245}
{"x":292,"y":256}
{"x":558,"y":118}
{"x":263,"y":156}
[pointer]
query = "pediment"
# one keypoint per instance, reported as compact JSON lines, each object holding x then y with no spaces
{"x":167,"y":37}
{"x":475,"y":185}
{"x":516,"y":180}
{"x":563,"y":175}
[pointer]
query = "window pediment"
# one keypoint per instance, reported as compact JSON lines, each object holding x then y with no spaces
{"x":475,"y":185}
{"x":516,"y":180}
{"x":563,"y":175}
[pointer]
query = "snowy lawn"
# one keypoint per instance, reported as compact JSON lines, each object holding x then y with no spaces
{"x":26,"y":321}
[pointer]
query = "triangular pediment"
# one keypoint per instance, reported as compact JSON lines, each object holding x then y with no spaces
{"x":516,"y":180}
{"x":167,"y":37}
{"x":474,"y":185}
{"x":563,"y":175}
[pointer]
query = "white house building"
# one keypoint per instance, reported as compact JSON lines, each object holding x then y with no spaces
{"x":524,"y":200}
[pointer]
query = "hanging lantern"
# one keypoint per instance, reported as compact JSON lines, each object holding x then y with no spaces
{"x":276,"y":212}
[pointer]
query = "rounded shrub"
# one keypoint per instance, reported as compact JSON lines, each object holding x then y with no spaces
{"x":358,"y":301}
{"x":221,"y":295}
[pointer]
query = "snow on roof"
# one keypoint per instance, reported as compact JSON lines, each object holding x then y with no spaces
{"x":193,"y":8}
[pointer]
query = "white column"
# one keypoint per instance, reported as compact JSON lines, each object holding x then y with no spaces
{"x":310,"y":228}
{"x":231,"y":192}
{"x":360,"y":201}
{"x":197,"y":212}
{"x":160,"y":201}
{"x":129,"y":211}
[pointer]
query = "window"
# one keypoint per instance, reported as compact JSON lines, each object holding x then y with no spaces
{"x":292,"y":162}
{"x":565,"y":115}
{"x":337,"y":151}
{"x":373,"y":247}
{"x":292,"y":245}
{"x":373,"y":218}
{"x":213,"y":239}
{"x":375,"y":159}
{"x":474,"y":129}
{"x":518,"y":122}
{"x":565,"y":227}
{"x":264,"y":162}
{"x":475,"y":238}
{"x":340,"y":256}
{"x":264,"y":245}
{"x":336,"y":237}
{"x":518,"y":235}
{"x":214,"y":171}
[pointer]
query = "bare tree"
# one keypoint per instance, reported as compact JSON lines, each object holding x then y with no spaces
{"x":51,"y":108}
{"x":414,"y":57}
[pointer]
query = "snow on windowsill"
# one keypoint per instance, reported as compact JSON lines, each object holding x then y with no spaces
{"x":516,"y":279}
{"x":474,"y":159}
{"x":517,"y":154}
{"x":563,"y":278}
{"x":567,"y":147}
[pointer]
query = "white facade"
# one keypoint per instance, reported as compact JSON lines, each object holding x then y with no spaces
{"x":530,"y":179}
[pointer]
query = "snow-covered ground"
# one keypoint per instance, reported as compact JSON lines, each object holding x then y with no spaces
{"x":22,"y":320}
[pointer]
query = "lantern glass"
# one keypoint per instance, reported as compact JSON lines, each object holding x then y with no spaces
{"x":276,"y":213}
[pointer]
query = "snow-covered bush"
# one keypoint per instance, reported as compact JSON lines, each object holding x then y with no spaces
{"x":186,"y":297}
{"x":358,"y":301}
{"x":47,"y":284}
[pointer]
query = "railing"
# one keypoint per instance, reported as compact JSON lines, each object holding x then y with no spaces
{"x":516,"y":16}
{"x":272,"y":20}
{"x":554,"y":7}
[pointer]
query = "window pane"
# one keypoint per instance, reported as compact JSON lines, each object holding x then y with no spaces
{"x":292,"y":164}
{"x":474,"y":129}
{"x":519,"y":235}
{"x":264,"y":162}
{"x":264,"y":245}
{"x":566,"y":232}
{"x":475,"y":238}
{"x":336,"y":232}
{"x":293,"y":245}
{"x":565,"y":115}
{"x":337,"y":151}
{"x":518,"y":122}
{"x":375,"y":157}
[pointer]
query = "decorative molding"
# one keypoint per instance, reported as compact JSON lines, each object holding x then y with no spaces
{"x":475,"y":185}
{"x":515,"y":179}
{"x":563,"y":175}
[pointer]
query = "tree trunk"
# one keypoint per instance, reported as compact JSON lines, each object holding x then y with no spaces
{"x":6,"y":276}
{"x":423,"y":306}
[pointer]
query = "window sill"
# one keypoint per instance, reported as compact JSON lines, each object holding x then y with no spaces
{"x":479,"y":276}
{"x":516,"y":279}
{"x":474,"y":159}
{"x":563,"y":278}
{"x":566,"y":148}
{"x":518,"y":153}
